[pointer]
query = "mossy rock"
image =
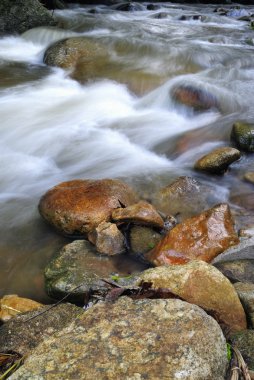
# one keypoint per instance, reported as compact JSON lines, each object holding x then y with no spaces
{"x":243,"y":135}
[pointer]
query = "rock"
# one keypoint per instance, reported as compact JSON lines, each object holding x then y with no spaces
{"x":242,"y":135}
{"x":17,"y":16}
{"x":142,"y":240}
{"x":246,"y":295}
{"x":201,"y":237}
{"x":244,"y":200}
{"x":218,"y":160}
{"x":244,"y":250}
{"x":129,"y":7}
{"x":66,"y":53}
{"x":244,"y":341}
{"x":77,"y":264}
{"x":183,"y":198}
{"x":24,"y":332}
{"x":249,"y":176}
{"x":152,"y":7}
{"x":107,"y":239}
{"x":141,"y":213}
{"x":197,"y":98}
{"x":77,"y":207}
{"x":201,"y":284}
{"x":11,"y":305}
{"x":238,"y":270}
{"x":142,"y":339}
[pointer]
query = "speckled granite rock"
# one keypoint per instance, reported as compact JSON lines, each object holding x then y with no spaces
{"x":200,"y":283}
{"x":144,"y":339}
{"x":20,"y":336}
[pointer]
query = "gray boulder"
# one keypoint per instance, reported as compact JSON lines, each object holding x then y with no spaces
{"x":17,"y":16}
{"x":142,"y":339}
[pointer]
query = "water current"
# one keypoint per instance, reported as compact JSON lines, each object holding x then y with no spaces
{"x":121,"y":124}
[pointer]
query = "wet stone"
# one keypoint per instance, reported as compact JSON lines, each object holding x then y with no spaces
{"x":242,"y":135}
{"x":108,"y":239}
{"x":143,"y":239}
{"x":244,"y":341}
{"x":11,"y":305}
{"x":218,"y":160}
{"x":249,"y":176}
{"x":246,"y":295}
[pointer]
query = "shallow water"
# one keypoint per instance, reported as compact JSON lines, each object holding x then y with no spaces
{"x":121,"y":124}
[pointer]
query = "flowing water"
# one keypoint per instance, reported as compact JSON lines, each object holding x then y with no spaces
{"x":123,"y":123}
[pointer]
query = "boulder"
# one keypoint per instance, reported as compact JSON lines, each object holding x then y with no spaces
{"x":244,"y":250}
{"x":77,"y":207}
{"x":197,"y":98}
{"x":142,"y":339}
{"x":107,"y":239}
{"x":66,"y":53}
{"x":242,"y":135}
{"x":142,"y":213}
{"x":244,"y":341}
{"x":201,"y":284}
{"x":24,"y":332}
{"x":218,"y":160}
{"x":11,"y":305}
{"x":249,"y":176}
{"x":237,"y":270}
{"x":79,"y":269}
{"x":17,"y":16}
{"x":201,"y":237}
{"x":184,"y":197}
{"x":246,"y":295}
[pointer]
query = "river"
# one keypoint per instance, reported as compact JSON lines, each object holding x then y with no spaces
{"x":121,"y":124}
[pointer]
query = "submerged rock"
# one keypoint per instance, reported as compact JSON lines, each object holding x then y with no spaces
{"x":66,"y":53}
{"x":18,"y":16}
{"x":77,"y":207}
{"x":11,"y":305}
{"x":201,"y":237}
{"x":246,"y":295}
{"x":244,"y":341}
{"x":141,"y":212}
{"x":79,"y":269}
{"x":249,"y":176}
{"x":108,"y":239}
{"x":200,"y":283}
{"x":183,"y":198}
{"x":142,"y":240}
{"x":194,"y":97}
{"x":243,"y":135}
{"x":237,"y":270}
{"x":142,"y":339}
{"x":218,"y":160}
{"x":24,"y":332}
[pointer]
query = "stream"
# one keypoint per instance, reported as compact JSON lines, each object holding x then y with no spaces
{"x":120,"y":124}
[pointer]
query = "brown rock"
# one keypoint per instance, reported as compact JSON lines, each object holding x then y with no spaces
{"x":77,"y":207}
{"x":197,"y":98}
{"x":201,"y":237}
{"x":107,"y":239}
{"x":200,"y":283}
{"x":141,"y":212}
{"x":133,"y":340}
{"x":11,"y":305}
{"x":218,"y":160}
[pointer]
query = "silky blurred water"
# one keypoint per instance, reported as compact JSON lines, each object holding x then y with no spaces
{"x":122,"y":124}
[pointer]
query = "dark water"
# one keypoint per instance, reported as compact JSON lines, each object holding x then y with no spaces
{"x":123,"y":124}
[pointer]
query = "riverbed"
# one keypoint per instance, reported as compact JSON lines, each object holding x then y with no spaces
{"x":119,"y":123}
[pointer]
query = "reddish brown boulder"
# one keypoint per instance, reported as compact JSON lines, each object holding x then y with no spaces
{"x":77,"y":207}
{"x":201,"y":237}
{"x":141,"y":212}
{"x":11,"y":305}
{"x":194,"y":97}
